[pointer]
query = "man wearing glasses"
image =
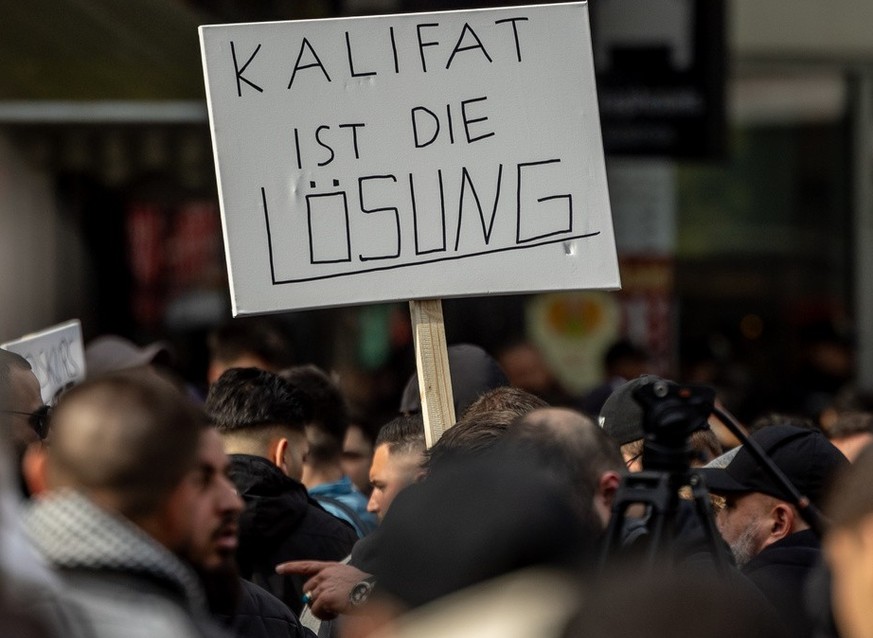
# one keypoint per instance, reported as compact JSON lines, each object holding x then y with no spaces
{"x":621,"y":417}
{"x":23,"y":415}
{"x":31,"y":587}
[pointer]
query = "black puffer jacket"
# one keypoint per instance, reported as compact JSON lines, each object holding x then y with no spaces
{"x":281,"y":523}
{"x":259,"y":614}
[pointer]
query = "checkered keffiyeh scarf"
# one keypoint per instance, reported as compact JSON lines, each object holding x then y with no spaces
{"x":74,"y":533}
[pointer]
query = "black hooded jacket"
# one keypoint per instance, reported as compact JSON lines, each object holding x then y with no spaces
{"x":281,"y":523}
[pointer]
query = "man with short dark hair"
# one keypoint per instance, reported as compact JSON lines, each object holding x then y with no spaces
{"x":772,"y":543}
{"x":261,"y":418}
{"x":400,"y":447}
{"x":397,"y":460}
{"x":325,"y":431}
{"x":124,"y":504}
{"x":482,"y":425}
{"x":504,"y":398}
{"x":473,"y":435}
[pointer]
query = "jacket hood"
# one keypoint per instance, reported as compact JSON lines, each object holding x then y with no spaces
{"x":275,"y":503}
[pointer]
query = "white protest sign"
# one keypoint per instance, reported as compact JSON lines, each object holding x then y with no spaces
{"x":56,"y":354}
{"x":408,"y":156}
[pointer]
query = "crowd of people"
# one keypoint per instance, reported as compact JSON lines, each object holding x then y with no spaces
{"x":136,"y":505}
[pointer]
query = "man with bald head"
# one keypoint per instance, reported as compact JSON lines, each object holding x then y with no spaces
{"x":125,"y":501}
{"x":578,"y":452}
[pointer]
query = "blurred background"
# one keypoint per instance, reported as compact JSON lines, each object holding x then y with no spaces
{"x":739,"y":145}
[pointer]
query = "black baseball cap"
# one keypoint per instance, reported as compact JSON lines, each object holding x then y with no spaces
{"x":621,"y":416}
{"x":804,"y":455}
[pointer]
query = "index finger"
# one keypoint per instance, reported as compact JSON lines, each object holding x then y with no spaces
{"x":303,"y":567}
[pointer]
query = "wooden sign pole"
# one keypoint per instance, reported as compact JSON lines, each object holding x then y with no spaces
{"x":432,"y":363}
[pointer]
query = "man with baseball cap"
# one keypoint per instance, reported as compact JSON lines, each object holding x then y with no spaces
{"x":621,"y":417}
{"x":772,"y":543}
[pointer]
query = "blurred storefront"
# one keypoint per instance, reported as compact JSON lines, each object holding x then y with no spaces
{"x":740,"y":244}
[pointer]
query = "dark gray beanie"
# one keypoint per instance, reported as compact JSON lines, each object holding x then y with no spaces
{"x":474,"y":372}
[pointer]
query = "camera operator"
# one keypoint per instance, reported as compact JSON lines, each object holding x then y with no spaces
{"x":622,"y":419}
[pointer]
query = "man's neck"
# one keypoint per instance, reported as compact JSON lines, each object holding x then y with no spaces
{"x":318,"y":475}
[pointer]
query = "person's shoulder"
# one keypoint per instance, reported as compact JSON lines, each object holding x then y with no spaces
{"x":320,"y":535}
{"x":257,"y":602}
{"x":799,"y":552}
{"x":107,"y":604}
{"x":320,"y":522}
{"x":254,"y":474}
{"x":260,"y":614}
{"x":349,"y":507}
{"x":342,"y":489}
{"x":54,"y":607}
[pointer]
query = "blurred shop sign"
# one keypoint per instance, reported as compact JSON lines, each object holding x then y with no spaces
{"x":660,"y":68}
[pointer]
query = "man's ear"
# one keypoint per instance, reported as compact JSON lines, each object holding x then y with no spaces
{"x":607,"y":486}
{"x":276,"y":453}
{"x":34,"y":468}
{"x":782,"y":518}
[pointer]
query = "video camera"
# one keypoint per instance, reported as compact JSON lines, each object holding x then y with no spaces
{"x":671,"y":414}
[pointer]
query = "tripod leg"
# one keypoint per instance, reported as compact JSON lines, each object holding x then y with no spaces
{"x":703,"y":505}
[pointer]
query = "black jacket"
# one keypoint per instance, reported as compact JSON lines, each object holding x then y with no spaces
{"x":281,"y":523}
{"x":781,"y":571}
{"x":259,"y":614}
